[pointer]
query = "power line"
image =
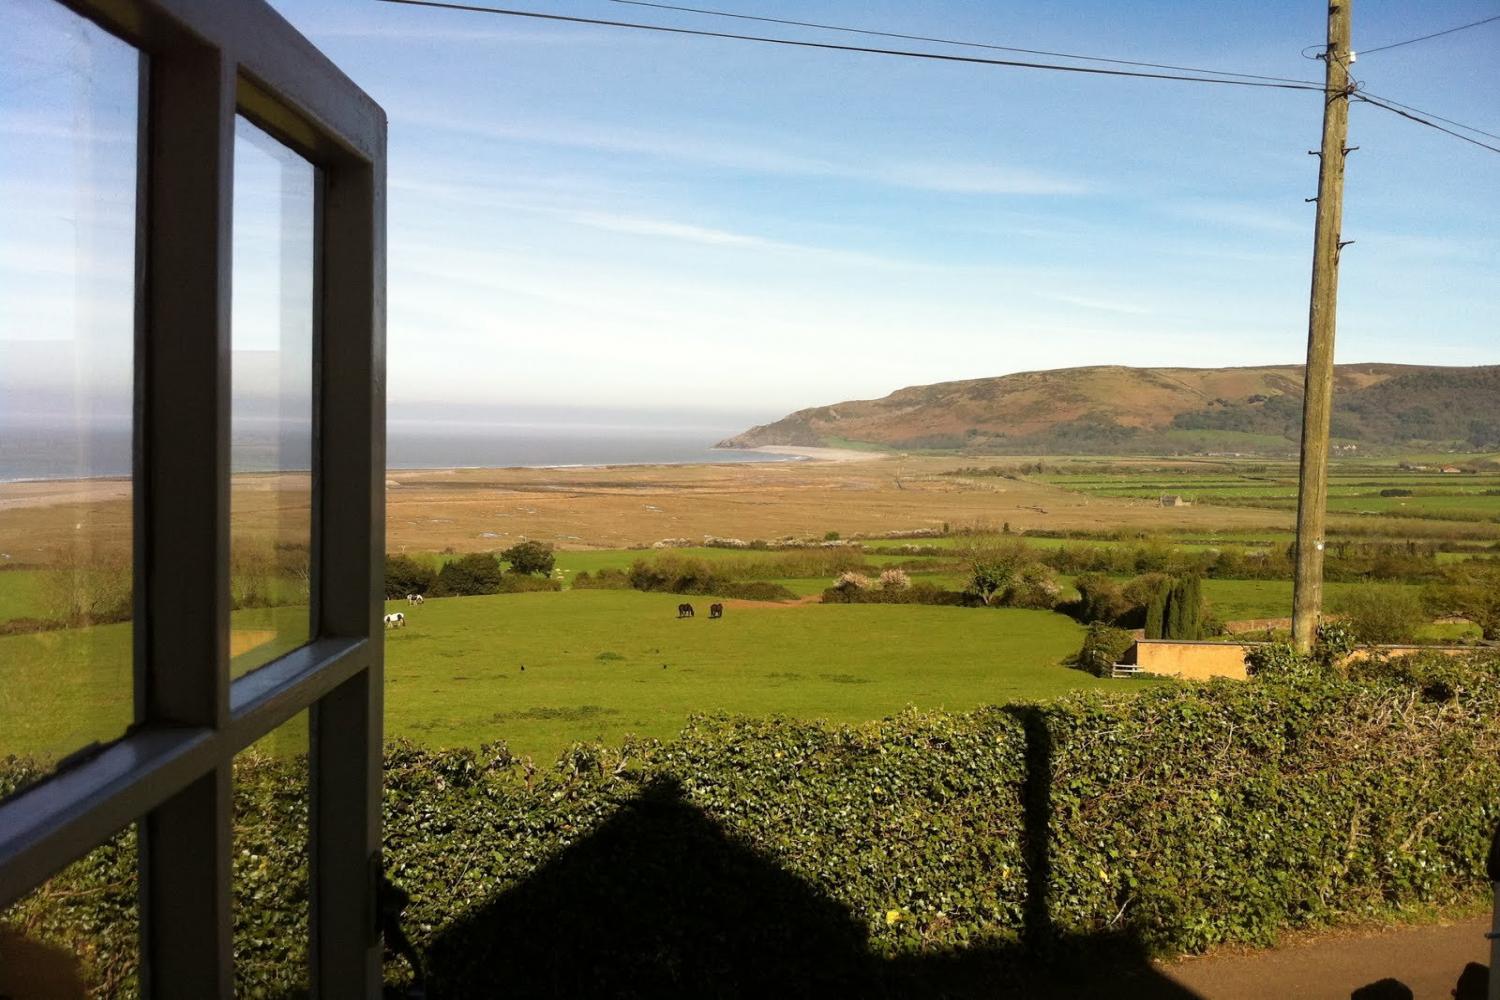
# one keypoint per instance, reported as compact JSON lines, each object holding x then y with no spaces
{"x":950,"y":41}
{"x":1435,"y":34}
{"x":1429,"y":114}
{"x":1423,"y":121}
{"x":830,"y":46}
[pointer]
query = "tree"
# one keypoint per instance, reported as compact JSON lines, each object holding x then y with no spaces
{"x":530,"y":557}
{"x":1183,"y":611}
{"x":470,"y":575}
{"x":1156,"y":611}
{"x":404,"y":575}
{"x":993,"y":567}
{"x":1100,"y":598}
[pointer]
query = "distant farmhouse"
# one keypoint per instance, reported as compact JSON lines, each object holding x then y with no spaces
{"x":1175,"y":500}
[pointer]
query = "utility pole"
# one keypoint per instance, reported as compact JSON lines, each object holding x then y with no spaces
{"x":1317,"y":402}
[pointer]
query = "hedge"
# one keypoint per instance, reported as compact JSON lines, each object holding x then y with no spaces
{"x":1179,"y":818}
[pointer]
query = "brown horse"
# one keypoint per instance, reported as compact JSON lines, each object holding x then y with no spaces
{"x":716,"y":611}
{"x":684,"y":611}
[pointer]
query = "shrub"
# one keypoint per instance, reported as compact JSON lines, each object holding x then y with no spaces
{"x":1031,"y":586}
{"x":1103,"y":647}
{"x":1100,"y":599}
{"x":512,"y":583}
{"x":1334,"y":642}
{"x":1185,"y":817}
{"x":90,"y":591}
{"x":1280,"y":661}
{"x":1380,"y":613}
{"x":679,"y":575}
{"x":850,"y":580}
{"x":405,"y":575}
{"x":754,"y":590}
{"x":1471,"y":590}
{"x":894,"y":579}
{"x":608,"y":578}
{"x":530,"y":557}
{"x":920,"y":592}
{"x":469,"y":576}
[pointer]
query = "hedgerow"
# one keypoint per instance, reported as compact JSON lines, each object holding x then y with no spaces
{"x":1184,"y":816}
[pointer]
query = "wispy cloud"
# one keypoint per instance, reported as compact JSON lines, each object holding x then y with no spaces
{"x":957,"y":177}
{"x":709,"y":236}
{"x":1254,"y":216}
{"x":1100,"y":305}
{"x":969,"y":178}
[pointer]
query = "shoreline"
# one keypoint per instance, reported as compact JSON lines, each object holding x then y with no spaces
{"x":817,"y":454}
{"x":784,"y":454}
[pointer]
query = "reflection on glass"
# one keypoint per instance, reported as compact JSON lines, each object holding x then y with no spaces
{"x":67,"y":263}
{"x":270,"y":864}
{"x":78,"y":935}
{"x":271,"y":410}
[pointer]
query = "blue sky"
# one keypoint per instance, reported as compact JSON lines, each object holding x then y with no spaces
{"x":587,"y":217}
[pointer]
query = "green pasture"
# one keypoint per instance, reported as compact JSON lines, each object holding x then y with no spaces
{"x":1351,"y":489}
{"x":22,"y":594}
{"x":600,"y":664}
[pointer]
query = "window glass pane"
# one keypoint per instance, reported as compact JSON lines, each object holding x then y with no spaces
{"x":68,"y":119}
{"x":272,"y":409}
{"x":270,"y":865}
{"x":78,"y":935}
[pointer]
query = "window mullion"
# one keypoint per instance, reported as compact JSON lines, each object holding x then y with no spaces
{"x":185,"y":842}
{"x":349,"y":535}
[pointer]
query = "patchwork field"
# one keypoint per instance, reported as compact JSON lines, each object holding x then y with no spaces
{"x":600,"y":664}
{"x":1470,"y":493}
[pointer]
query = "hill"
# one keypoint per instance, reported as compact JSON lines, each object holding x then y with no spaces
{"x":1116,"y":409}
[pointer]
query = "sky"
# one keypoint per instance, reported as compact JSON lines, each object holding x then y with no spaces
{"x":584,"y":218}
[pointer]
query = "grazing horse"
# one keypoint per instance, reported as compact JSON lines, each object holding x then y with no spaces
{"x":684,"y":611}
{"x":716,"y":611}
{"x":395,"y":620}
{"x":413,"y":599}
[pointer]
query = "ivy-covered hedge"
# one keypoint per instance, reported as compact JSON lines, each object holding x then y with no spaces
{"x":1181,"y":817}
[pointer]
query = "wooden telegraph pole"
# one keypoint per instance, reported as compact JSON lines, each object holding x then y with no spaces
{"x":1312,"y":495}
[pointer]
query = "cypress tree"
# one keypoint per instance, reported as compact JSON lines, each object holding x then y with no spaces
{"x":1174,"y":619}
{"x":1192,"y":610}
{"x":1156,"y":612}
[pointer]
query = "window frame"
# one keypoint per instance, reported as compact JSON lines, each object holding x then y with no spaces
{"x":171,"y":773}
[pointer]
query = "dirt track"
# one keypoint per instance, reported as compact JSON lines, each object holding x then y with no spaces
{"x":1427,"y":960}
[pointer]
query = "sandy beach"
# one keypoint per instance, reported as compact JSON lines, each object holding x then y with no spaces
{"x":823,"y":454}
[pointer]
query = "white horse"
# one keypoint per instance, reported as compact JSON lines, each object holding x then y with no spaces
{"x":414,"y":599}
{"x":395,"y":620}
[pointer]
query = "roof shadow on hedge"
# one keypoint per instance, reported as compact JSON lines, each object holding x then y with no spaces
{"x":661,"y":902}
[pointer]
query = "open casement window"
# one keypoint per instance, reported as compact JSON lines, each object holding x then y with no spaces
{"x":252,"y":562}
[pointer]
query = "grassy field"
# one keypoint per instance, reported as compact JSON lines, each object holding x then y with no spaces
{"x":1352,"y":489}
{"x":599,"y":664}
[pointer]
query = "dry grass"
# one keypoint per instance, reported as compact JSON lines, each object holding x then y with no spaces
{"x":622,"y":506}
{"x":613,"y":507}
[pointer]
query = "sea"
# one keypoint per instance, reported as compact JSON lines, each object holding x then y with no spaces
{"x":31,"y":450}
